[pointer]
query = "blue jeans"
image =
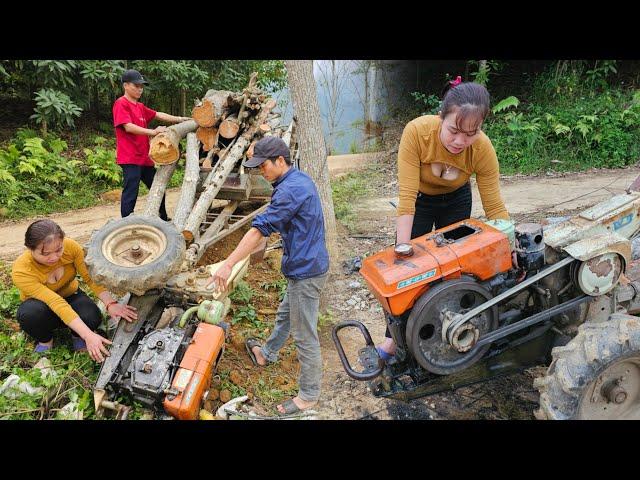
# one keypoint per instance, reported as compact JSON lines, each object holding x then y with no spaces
{"x":298,"y":315}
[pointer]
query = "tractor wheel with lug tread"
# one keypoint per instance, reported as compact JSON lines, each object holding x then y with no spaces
{"x":135,"y":254}
{"x":596,"y":375}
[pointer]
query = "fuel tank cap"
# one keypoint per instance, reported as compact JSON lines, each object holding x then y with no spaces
{"x":403,"y":250}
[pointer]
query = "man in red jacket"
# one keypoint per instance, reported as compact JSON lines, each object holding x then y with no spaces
{"x":130,"y":119}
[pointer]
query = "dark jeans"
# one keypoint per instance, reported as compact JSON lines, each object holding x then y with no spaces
{"x":38,"y":321}
{"x":132,"y":174}
{"x":439,"y":210}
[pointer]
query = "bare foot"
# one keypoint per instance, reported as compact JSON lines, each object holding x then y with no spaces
{"x":259,"y":357}
{"x":301,"y":404}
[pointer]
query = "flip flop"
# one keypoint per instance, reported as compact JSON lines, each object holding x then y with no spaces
{"x":249,"y":344}
{"x":289,"y":407}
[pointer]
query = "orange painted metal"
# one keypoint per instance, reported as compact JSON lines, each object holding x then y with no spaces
{"x":194,"y":375}
{"x":471,"y":248}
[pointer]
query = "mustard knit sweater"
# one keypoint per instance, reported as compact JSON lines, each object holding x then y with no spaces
{"x":420,"y":146}
{"x":31,"y":279}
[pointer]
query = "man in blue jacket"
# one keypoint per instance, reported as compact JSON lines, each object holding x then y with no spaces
{"x":296,"y":213}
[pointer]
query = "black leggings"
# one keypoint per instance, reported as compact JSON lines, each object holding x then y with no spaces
{"x":38,"y":321}
{"x":441,"y":210}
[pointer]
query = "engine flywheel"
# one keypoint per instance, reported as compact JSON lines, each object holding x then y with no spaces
{"x":424,"y":326}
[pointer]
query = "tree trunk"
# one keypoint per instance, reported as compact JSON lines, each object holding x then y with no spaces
{"x":165,"y":147}
{"x":183,"y":102}
{"x":313,"y":154}
{"x":160,"y":182}
{"x":189,"y":184}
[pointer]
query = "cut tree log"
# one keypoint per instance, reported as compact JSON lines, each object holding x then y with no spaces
{"x":207,"y":112}
{"x":229,"y":127}
{"x":207,"y":136}
{"x":165,"y":147}
{"x":189,"y":184}
{"x":220,"y":173}
{"x":158,"y":187}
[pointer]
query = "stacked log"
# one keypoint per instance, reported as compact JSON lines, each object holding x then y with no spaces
{"x":227,"y":125}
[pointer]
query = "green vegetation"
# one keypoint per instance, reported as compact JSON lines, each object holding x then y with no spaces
{"x":345,"y":190}
{"x":576,"y":115}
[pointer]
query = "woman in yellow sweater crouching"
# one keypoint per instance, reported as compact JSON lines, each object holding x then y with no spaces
{"x":45,"y":275}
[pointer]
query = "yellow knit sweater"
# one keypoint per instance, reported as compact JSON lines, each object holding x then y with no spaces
{"x":420,"y":146}
{"x":31,"y":279}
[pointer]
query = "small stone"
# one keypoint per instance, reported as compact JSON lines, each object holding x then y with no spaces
{"x":352,"y":302}
{"x":235,"y":377}
{"x":225,"y":396}
{"x":354,"y":284}
{"x":214,"y":394}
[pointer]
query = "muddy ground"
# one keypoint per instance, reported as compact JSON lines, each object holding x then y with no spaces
{"x":529,"y":198}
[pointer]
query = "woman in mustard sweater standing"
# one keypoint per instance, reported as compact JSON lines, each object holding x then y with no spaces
{"x":45,"y":275}
{"x":437,"y":156}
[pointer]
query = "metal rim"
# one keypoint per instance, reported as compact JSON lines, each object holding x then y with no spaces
{"x":424,"y":330}
{"x":615,"y":393}
{"x":118,"y":245}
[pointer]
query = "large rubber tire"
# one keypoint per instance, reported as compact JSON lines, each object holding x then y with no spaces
{"x":135,"y":279}
{"x":576,"y":366}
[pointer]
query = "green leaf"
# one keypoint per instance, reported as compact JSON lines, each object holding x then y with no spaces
{"x":505,"y":104}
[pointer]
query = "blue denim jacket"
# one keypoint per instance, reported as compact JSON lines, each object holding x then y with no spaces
{"x":296,"y":213}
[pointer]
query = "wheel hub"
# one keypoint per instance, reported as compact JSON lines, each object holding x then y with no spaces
{"x":615,"y":393}
{"x":132,"y":246}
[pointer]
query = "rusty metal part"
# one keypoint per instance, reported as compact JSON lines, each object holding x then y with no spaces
{"x":530,"y":246}
{"x":465,"y":337}
{"x":458,"y":322}
{"x":615,"y":393}
{"x":425,"y":325}
{"x":132,"y":246}
{"x":600,"y":274}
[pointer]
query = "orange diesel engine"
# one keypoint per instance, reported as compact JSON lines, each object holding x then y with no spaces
{"x":470,"y":247}
{"x":193,"y":378}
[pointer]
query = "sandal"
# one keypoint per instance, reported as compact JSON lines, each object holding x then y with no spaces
{"x":79,"y":344}
{"x":40,"y":348}
{"x":249,"y":345}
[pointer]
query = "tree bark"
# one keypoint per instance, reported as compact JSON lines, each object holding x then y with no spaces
{"x":165,"y":147}
{"x":313,"y":154}
{"x":189,"y":184}
{"x":156,"y":192}
{"x":207,"y":136}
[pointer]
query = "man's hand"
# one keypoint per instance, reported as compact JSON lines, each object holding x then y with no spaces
{"x":95,"y":346}
{"x":159,"y":129}
{"x":117,"y":310}
{"x":218,"y":281}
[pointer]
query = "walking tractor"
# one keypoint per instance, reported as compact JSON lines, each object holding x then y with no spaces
{"x":166,"y":358}
{"x":460,"y":312}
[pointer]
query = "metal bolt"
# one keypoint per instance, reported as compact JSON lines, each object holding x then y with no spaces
{"x":614,"y":393}
{"x":136,"y":252}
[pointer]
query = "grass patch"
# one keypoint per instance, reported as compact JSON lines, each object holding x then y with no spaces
{"x":347,"y":189}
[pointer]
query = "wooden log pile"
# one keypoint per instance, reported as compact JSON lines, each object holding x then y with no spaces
{"x":222,"y":132}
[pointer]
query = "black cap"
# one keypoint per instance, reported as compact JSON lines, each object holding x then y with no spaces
{"x":265,"y":148}
{"x":133,"y":76}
